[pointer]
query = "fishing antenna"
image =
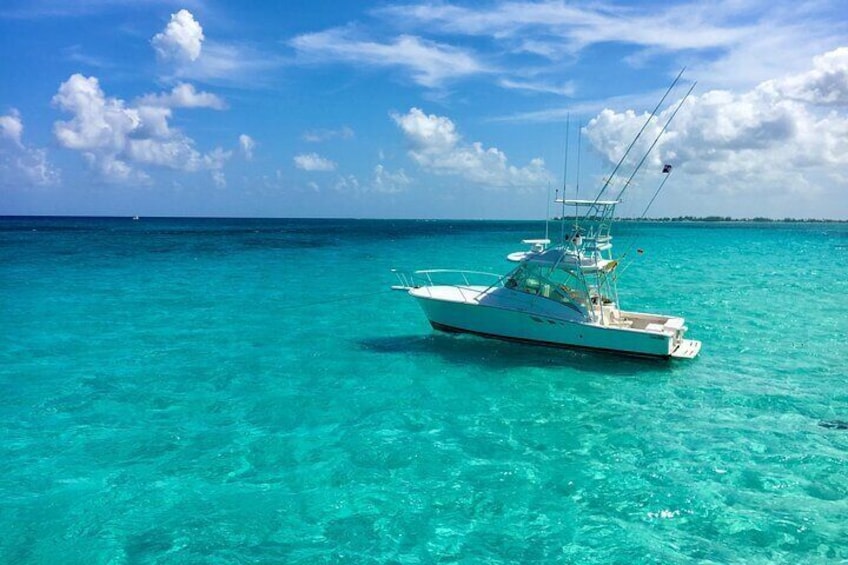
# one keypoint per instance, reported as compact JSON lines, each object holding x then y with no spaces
{"x":564,"y":177}
{"x":656,"y":139}
{"x":577,"y":184}
{"x":632,"y":143}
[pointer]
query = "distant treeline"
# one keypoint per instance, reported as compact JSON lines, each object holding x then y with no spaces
{"x":723,"y":219}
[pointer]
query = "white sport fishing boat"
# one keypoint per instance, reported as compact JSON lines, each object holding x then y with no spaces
{"x":563,"y":295}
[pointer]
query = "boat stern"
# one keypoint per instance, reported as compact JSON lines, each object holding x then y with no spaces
{"x":681,"y":348}
{"x":686,"y":349}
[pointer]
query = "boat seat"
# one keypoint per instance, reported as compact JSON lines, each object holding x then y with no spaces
{"x":674,"y":323}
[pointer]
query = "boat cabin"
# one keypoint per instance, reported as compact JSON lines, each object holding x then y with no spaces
{"x":554,"y":284}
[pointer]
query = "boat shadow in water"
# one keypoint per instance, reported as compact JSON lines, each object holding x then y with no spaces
{"x":493,"y":354}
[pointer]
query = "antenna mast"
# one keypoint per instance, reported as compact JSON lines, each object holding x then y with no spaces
{"x":564,"y":176}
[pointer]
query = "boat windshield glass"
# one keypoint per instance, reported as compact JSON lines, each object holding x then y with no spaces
{"x":554,"y":284}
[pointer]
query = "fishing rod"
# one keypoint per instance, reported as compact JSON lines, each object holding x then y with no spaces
{"x":656,"y":139}
{"x":635,"y":139}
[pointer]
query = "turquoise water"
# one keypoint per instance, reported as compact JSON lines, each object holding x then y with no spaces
{"x":249,"y":391}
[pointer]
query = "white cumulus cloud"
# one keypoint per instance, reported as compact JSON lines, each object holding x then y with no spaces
{"x":181,"y":40}
{"x":785,"y":138}
{"x":98,"y":122}
{"x":114,"y":136}
{"x":313,"y":162}
{"x":438,"y":148}
{"x":825,"y":84}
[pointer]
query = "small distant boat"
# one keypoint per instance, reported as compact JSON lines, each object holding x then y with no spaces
{"x":562,"y":296}
{"x":135,"y":218}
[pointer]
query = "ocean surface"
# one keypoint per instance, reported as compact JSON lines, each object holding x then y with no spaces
{"x":251,"y":391}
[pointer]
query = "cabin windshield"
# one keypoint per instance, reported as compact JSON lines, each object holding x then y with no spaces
{"x":554,"y":284}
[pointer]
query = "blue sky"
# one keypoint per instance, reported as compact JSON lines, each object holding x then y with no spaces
{"x":419,"y":109}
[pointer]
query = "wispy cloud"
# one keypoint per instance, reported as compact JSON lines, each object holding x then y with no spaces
{"x":313,"y":162}
{"x":563,"y":27}
{"x":348,"y":184}
{"x":21,"y":164}
{"x":565,"y":89}
{"x":11,"y":127}
{"x":183,"y":95}
{"x":247,"y":145}
{"x":387,"y":182}
{"x":319,"y":135}
{"x":75,"y":54}
{"x":230,"y":64}
{"x":727,"y":42}
{"x":428,"y":63}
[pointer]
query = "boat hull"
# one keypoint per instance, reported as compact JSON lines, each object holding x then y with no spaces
{"x":532,"y":327}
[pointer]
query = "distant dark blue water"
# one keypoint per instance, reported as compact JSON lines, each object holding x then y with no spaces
{"x":250,"y":391}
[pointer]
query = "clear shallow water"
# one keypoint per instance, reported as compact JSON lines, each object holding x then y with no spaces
{"x":243,"y":391}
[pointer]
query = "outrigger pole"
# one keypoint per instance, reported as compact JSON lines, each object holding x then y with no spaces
{"x":656,"y":139}
{"x":577,"y":184}
{"x":564,"y":178}
{"x":632,"y":143}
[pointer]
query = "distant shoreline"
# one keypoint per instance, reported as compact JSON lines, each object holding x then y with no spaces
{"x":728,"y":219}
{"x":676,"y":219}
